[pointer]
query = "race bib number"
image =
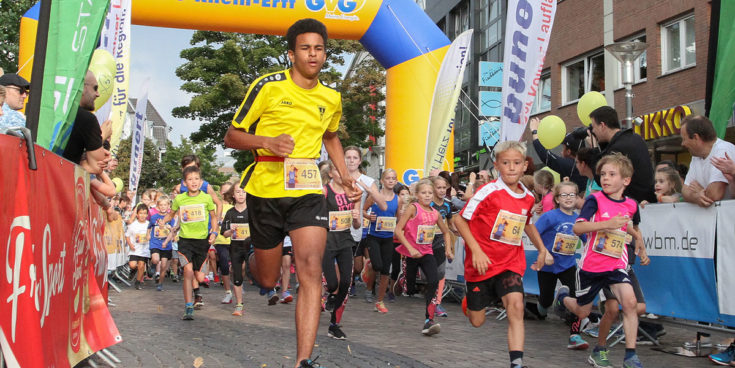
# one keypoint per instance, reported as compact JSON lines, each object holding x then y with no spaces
{"x":340,"y":220}
{"x":140,"y":238}
{"x":161,"y":232}
{"x":301,"y":173}
{"x":240,"y":231}
{"x":365,"y":222}
{"x":508,"y":228}
{"x":385,"y":223}
{"x":565,"y":244}
{"x":425,"y":234}
{"x":193,"y":213}
{"x":609,"y":242}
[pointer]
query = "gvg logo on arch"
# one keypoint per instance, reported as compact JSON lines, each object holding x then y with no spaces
{"x":337,"y":9}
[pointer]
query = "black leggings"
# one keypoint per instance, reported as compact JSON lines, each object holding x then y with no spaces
{"x":381,"y":253}
{"x":239,"y":255}
{"x":344,"y":260}
{"x":395,"y":265}
{"x":223,"y":258}
{"x":428,"y":267}
{"x":547,"y":284}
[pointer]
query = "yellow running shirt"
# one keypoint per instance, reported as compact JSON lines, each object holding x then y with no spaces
{"x":275,"y":105}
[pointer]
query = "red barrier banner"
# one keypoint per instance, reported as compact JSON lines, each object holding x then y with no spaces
{"x":52,"y":313}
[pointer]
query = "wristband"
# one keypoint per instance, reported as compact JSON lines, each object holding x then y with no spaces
{"x":215,"y":233}
{"x":534,"y":131}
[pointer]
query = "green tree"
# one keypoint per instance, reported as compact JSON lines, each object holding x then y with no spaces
{"x":10,"y":13}
{"x":152,"y":171}
{"x":362,"y":94}
{"x":171,"y":161}
{"x":219,"y":69}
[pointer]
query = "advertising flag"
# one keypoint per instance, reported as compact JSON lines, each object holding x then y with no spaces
{"x":527,"y":33}
{"x":136,"y":151}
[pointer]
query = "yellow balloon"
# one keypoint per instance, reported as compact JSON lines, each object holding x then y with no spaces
{"x":103,"y":67}
{"x":557,"y":177}
{"x":118,"y":184}
{"x":551,"y":131}
{"x":588,"y":103}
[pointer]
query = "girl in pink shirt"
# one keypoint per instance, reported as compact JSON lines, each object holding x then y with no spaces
{"x":543,"y":185}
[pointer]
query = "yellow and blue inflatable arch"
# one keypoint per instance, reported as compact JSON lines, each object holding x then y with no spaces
{"x":396,"y":32}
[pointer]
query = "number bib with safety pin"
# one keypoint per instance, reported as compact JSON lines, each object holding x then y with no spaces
{"x":192,"y":213}
{"x":140,"y":238}
{"x":161,"y":232}
{"x":365,"y":222}
{"x":240,"y":231}
{"x":565,"y":244}
{"x":609,"y":242}
{"x":508,"y":228}
{"x":301,"y":173}
{"x":425,"y":234}
{"x":339,"y":220}
{"x":385,"y":223}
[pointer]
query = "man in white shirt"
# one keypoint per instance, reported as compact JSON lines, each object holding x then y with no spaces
{"x":704,"y":183}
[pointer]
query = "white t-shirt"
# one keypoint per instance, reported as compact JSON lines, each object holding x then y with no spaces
{"x":136,"y":232}
{"x":702,"y":170}
{"x":367,"y":182}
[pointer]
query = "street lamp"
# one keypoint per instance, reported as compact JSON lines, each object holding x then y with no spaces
{"x":627,"y":53}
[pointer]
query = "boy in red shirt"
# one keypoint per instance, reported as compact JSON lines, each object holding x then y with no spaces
{"x":492,"y":223}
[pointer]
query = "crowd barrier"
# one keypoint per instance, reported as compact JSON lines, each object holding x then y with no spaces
{"x":683,"y":281}
{"x":55,"y":277}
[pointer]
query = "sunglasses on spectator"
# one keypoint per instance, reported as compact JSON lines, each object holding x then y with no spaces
{"x":21,"y":91}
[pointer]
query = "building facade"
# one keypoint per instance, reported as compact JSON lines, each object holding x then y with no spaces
{"x":155,"y":127}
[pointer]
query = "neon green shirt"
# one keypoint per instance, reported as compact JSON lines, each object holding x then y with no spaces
{"x":193,"y":214}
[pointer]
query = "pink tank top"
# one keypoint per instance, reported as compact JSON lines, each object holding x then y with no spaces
{"x":423,"y":220}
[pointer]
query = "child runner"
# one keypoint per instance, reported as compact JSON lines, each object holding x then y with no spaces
{"x":380,"y":235}
{"x":236,"y":227}
{"x":608,"y":214}
{"x":222,"y":245}
{"x":396,"y":288}
{"x":495,"y":260}
{"x":286,"y":259}
{"x":556,"y":232}
{"x":342,"y":217}
{"x":415,"y":230}
{"x":439,"y":248}
{"x":137,"y":238}
{"x":160,"y":239}
{"x":543,"y":185}
{"x":196,"y":211}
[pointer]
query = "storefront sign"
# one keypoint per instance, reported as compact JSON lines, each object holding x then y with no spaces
{"x":662,"y":123}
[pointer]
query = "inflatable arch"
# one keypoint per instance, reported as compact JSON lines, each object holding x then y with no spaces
{"x":396,"y":32}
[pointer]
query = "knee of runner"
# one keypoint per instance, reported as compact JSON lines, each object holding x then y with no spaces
{"x":515,"y":307}
{"x":237,"y":282}
{"x":477,"y":321}
{"x":630,"y":304}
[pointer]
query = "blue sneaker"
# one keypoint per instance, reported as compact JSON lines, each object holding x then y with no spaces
{"x":576,"y":342}
{"x":440,"y":311}
{"x":188,"y":313}
{"x":559,"y":307}
{"x":632,"y":362}
{"x":724,"y":358}
{"x":272,"y":297}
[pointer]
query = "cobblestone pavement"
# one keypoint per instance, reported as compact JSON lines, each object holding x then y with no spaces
{"x":155,"y":336}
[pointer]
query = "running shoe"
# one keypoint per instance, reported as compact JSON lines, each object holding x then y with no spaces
{"x":228,"y":298}
{"x":198,"y":302}
{"x":286,"y":297}
{"x":391,"y":297}
{"x":599,"y":359}
{"x":158,"y":277}
{"x":205,"y":283}
{"x":329,"y":304}
{"x":440,"y":311}
{"x":335,"y":332}
{"x":559,"y":307}
{"x":174,"y":278}
{"x":380,"y":307}
{"x":632,"y":362}
{"x":238,"y":310}
{"x":188,"y":313}
{"x":353,"y":292}
{"x":216,"y":279}
{"x":308,"y":363}
{"x":369,"y":298}
{"x":431,"y":328}
{"x":159,"y":287}
{"x":138,"y":285}
{"x":272,"y":297}
{"x":724,"y":358}
{"x":263,"y":291}
{"x":576,"y":342}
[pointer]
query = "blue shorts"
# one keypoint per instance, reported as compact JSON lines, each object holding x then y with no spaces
{"x":590,"y":283}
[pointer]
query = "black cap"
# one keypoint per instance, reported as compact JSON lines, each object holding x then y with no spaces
{"x":573,"y":142}
{"x":12,"y":79}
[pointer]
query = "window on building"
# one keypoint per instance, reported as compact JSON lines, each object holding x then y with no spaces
{"x":490,"y":23}
{"x":640,"y":65}
{"x":678,"y":49}
{"x":542,"y":101}
{"x":461,"y":18}
{"x":583,"y":75}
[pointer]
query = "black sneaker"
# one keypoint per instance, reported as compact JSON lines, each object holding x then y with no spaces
{"x":158,"y":277}
{"x":336,"y":333}
{"x":431,"y":328}
{"x":330,"y":302}
{"x":174,"y":278}
{"x":138,"y":285}
{"x":198,"y":302}
{"x":308,"y":363}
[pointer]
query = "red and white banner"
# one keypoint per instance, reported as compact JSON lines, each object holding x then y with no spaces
{"x":527,"y":33}
{"x":53,"y":312}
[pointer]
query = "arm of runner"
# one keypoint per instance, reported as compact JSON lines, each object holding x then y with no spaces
{"x":448,"y":250}
{"x":337,"y":155}
{"x":216,"y":200}
{"x":542,"y":258}
{"x":215,"y":228}
{"x":479,"y":259}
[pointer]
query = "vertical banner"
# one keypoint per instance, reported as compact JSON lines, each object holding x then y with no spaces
{"x":723,"y":89}
{"x":725,"y":255}
{"x":527,"y":33}
{"x":446,"y":94}
{"x":115,"y":38}
{"x":136,"y":151}
{"x":74,"y":26}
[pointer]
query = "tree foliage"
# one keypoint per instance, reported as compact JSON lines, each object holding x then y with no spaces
{"x":362,"y":110}
{"x":152,"y":171}
{"x":171,"y":162}
{"x":221,"y":66}
{"x":10,"y":13}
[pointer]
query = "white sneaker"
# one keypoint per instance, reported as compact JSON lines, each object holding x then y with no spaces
{"x":227,"y":299}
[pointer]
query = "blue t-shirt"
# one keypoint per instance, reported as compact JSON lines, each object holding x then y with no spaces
{"x":157,"y":243}
{"x":389,"y":212}
{"x":550,"y":223}
{"x":204,"y":188}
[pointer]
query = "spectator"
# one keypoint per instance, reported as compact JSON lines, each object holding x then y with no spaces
{"x":606,"y":128}
{"x":16,"y":92}
{"x":563,"y":164}
{"x":664,"y":164}
{"x":704,"y":183}
{"x":86,"y":134}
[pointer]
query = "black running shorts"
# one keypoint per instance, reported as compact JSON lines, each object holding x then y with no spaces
{"x":271,"y":219}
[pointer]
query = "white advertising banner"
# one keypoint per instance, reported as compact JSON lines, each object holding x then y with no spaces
{"x":678,"y":230}
{"x":725,"y":256}
{"x":136,"y":151}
